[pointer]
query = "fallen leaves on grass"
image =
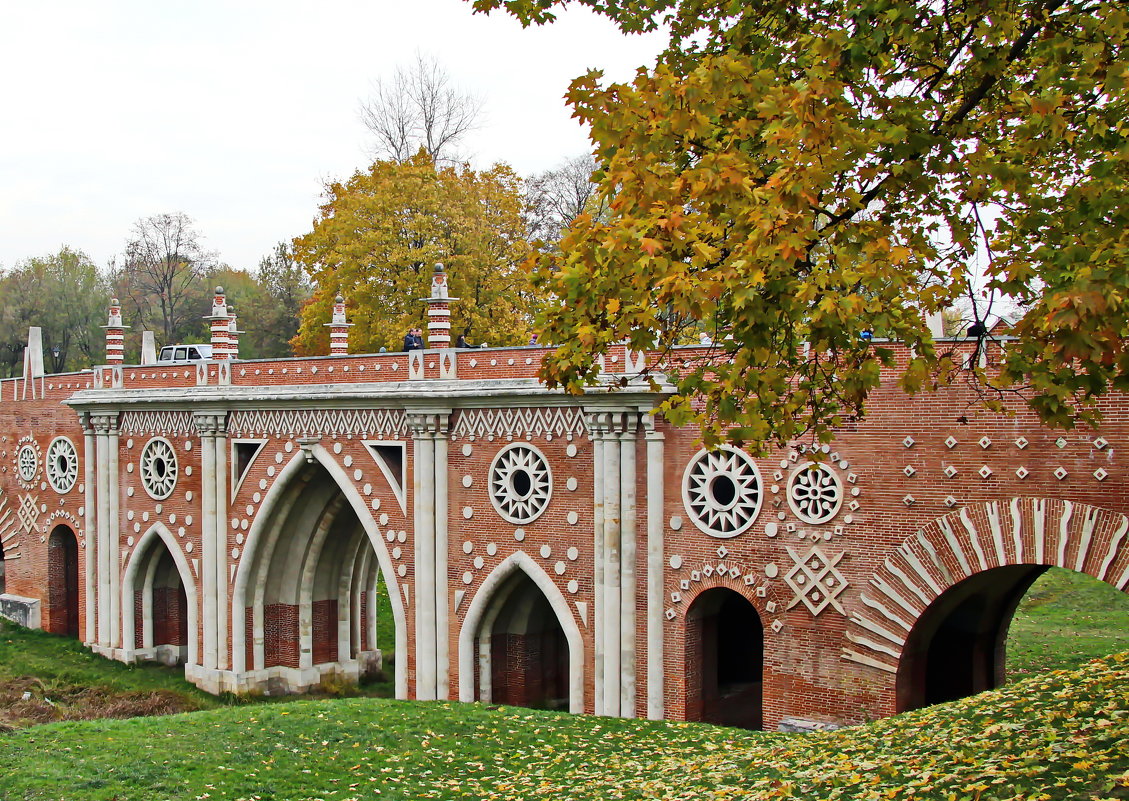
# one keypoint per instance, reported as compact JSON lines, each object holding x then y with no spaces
{"x":1062,"y":735}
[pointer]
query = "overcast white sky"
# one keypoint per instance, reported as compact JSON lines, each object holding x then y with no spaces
{"x":236,"y":113}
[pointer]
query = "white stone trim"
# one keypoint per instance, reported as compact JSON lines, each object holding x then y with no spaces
{"x":399,"y":491}
{"x":27,"y":462}
{"x":801,"y":499}
{"x":527,"y":422}
{"x":237,"y":481}
{"x":159,"y":487}
{"x":62,"y":481}
{"x":1063,"y":534}
{"x":324,"y":422}
{"x":520,"y":510}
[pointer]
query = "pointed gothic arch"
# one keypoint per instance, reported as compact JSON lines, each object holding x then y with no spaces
{"x":935,"y":614}
{"x":160,"y":601}
{"x":304,"y":593}
{"x":489,"y":603}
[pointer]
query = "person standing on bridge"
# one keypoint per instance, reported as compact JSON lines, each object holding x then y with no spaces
{"x":413,"y":340}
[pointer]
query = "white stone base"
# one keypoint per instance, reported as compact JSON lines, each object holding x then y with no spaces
{"x":274,"y":680}
{"x":371,"y":662}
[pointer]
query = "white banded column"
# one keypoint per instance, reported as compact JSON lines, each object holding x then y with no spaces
{"x":627,"y":583}
{"x":207,"y":427}
{"x":613,"y":434}
{"x":223,"y":581}
{"x":442,"y":590}
{"x":90,"y":526}
{"x":429,"y":493}
{"x":113,"y":469}
{"x":105,"y":433}
{"x":656,"y":701}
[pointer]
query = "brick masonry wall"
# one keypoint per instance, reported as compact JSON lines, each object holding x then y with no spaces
{"x":325,"y":631}
{"x":912,"y":462}
{"x":280,"y":624}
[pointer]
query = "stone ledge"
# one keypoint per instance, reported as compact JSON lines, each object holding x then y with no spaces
{"x":805,"y":726}
{"x":27,"y":612}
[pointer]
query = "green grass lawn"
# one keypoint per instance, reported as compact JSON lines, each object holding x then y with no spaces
{"x":1066,"y":619}
{"x":1056,"y":736}
{"x":44,"y":677}
{"x":63,"y":680}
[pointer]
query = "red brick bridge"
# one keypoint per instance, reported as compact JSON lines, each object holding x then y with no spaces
{"x":239,"y":517}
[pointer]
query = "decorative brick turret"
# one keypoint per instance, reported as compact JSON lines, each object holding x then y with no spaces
{"x":439,"y":311}
{"x":220,"y":325}
{"x":115,"y":334}
{"x":339,"y":329}
{"x":233,"y":333}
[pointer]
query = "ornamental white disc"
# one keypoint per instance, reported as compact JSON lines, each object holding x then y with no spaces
{"x":158,"y":468}
{"x":62,"y":465}
{"x":28,"y":463}
{"x":721,"y":490}
{"x":521,"y":483}
{"x":815,"y":492}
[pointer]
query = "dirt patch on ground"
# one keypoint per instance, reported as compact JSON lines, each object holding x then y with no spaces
{"x":26,"y":701}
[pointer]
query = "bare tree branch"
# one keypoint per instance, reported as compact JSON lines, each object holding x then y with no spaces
{"x":419,"y":108}
{"x":164,"y":263}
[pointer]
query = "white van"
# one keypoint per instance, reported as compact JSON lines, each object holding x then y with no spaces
{"x":181,"y":354}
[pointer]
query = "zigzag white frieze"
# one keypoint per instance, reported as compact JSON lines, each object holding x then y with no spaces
{"x":557,"y":421}
{"x":157,"y":422}
{"x":330,"y":422}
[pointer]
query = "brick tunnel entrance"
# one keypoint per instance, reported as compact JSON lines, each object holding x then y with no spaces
{"x":724,"y":660}
{"x":957,"y":647}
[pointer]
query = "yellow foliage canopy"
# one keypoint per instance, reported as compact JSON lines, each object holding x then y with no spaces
{"x":803,"y":178}
{"x":379,"y":234}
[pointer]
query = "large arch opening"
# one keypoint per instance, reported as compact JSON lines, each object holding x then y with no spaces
{"x":523,"y":650}
{"x":62,"y":582}
{"x":724,"y":660}
{"x":957,"y":647}
{"x":309,"y":596}
{"x":3,"y":580}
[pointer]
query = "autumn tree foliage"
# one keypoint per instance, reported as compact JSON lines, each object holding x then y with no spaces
{"x":798,"y":176}
{"x":64,"y":294}
{"x":379,"y":235}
